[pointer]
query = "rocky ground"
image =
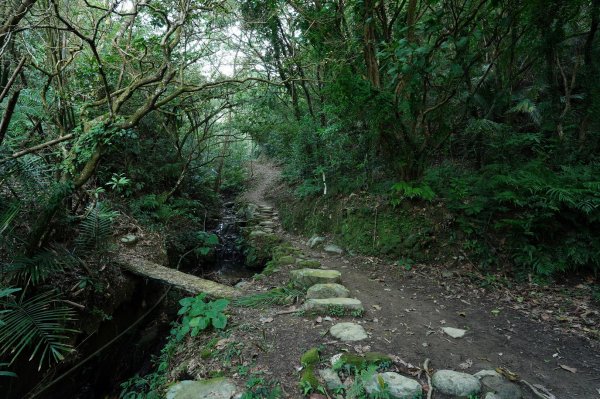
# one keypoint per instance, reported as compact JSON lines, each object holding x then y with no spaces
{"x":365,"y":325}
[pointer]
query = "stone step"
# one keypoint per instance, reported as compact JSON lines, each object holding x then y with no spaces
{"x":348,"y":332}
{"x":309,"y":277}
{"x":330,"y":290}
{"x":328,"y":305}
{"x":215,"y":388}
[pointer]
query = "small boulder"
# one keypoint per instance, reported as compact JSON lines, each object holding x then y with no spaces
{"x":129,"y":239}
{"x":257,"y":234}
{"x":398,"y":386}
{"x":454,"y":332}
{"x":486,"y":373}
{"x":502,"y":388}
{"x":454,"y":383}
{"x":348,"y":332}
{"x":308,"y":277}
{"x":333,"y":249}
{"x":331,"y":290}
{"x":215,"y":388}
{"x":331,"y":379}
{"x":315,"y":241}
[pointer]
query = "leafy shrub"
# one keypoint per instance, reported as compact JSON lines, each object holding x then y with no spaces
{"x":543,"y":218}
{"x":199,"y":315}
{"x":406,"y":190}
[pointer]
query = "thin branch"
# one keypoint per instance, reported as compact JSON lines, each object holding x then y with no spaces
{"x":37,"y":148}
{"x":12,"y":79}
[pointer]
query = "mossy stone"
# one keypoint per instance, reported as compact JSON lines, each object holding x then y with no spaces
{"x":308,"y":377}
{"x":308,"y":277}
{"x":322,"y":291}
{"x":310,"y":357}
{"x":285,"y":260}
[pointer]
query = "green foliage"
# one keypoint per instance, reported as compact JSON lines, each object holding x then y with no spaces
{"x":406,"y":190}
{"x":207,"y":242}
{"x":119,"y":183}
{"x":96,"y":227}
{"x":41,"y":266}
{"x":37,"y":324}
{"x":199,"y":315}
{"x":259,"y":388}
{"x":547,"y":215}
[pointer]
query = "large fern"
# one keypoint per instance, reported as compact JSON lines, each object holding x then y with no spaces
{"x":38,"y":324}
{"x":39,"y":267}
{"x":96,"y":227}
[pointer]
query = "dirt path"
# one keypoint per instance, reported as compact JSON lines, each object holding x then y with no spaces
{"x":405,"y":311}
{"x":264,"y":175}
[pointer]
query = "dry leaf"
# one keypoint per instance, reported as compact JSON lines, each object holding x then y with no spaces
{"x":570,"y":369}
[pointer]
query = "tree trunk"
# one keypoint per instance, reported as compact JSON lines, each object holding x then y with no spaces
{"x":369,"y":47}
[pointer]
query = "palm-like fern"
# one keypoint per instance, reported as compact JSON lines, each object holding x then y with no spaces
{"x":96,"y":227}
{"x":39,"y":267}
{"x":37,"y":323}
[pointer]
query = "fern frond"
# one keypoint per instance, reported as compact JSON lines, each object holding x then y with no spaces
{"x":37,"y":323}
{"x":40,"y":266}
{"x":7,"y":216}
{"x":96,"y":227}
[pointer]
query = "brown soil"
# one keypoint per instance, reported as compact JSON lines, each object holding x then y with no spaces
{"x":405,"y":311}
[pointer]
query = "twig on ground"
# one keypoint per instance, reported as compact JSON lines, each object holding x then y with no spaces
{"x":539,"y":391}
{"x":426,"y":369}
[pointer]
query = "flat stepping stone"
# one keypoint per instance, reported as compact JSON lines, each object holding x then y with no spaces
{"x":454,"y":383}
{"x":308,"y":277}
{"x":129,"y":239}
{"x":215,"y":388}
{"x":348,"y":305}
{"x":454,"y":332}
{"x":331,"y":379}
{"x":330,"y":290}
{"x":502,"y":388}
{"x":315,"y":241}
{"x":398,"y":386}
{"x":348,"y":332}
{"x":267,"y":223}
{"x":333,"y":249}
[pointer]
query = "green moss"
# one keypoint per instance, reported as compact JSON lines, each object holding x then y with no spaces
{"x":206,"y":353}
{"x":308,"y":377}
{"x":369,"y":358}
{"x":310,"y":357}
{"x":286,"y":260}
{"x":398,"y":231}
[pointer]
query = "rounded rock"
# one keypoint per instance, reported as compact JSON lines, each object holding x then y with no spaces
{"x":348,"y":332}
{"x":455,"y":383}
{"x":399,"y":387}
{"x":215,"y":388}
{"x":331,"y":290}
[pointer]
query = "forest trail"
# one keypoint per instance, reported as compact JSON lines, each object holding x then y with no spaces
{"x":405,"y":312}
